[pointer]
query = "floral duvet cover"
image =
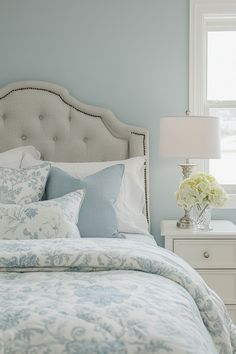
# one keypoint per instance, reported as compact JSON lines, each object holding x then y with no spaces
{"x":102,"y":296}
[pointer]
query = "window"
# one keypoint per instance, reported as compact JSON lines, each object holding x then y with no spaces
{"x":213,"y":79}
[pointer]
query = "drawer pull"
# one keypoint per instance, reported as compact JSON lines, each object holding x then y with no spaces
{"x":206,"y":255}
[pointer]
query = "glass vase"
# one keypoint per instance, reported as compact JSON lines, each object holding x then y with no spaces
{"x":202,"y":217}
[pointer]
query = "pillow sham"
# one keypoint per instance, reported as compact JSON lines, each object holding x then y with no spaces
{"x":22,"y":186}
{"x":12,"y":158}
{"x":97,"y":216}
{"x":130,"y":204}
{"x":42,"y":220}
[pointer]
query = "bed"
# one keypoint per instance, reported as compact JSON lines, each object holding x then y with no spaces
{"x":94,"y":294}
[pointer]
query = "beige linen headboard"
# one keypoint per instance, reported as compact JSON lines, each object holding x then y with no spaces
{"x":44,"y":115}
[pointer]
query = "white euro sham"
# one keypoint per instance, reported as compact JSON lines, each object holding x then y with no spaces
{"x":13,"y":158}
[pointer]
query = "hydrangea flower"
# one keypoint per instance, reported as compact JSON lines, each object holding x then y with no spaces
{"x":200,"y":189}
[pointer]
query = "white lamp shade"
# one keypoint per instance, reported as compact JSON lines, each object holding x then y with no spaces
{"x":190,"y":137}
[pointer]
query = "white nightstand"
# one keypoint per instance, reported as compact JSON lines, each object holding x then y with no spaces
{"x":211,"y":253}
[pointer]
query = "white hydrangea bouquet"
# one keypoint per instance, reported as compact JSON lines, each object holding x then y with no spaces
{"x":198,"y":193}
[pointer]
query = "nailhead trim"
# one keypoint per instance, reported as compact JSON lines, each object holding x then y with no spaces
{"x":54,"y":93}
{"x":145,"y":174}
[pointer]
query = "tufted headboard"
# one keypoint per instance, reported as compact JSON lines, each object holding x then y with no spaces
{"x":44,"y":115}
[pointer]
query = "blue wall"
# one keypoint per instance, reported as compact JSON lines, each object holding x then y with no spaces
{"x":128,"y":55}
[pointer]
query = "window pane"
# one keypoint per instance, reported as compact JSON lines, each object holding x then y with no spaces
{"x":221,"y":71}
{"x":224,"y":169}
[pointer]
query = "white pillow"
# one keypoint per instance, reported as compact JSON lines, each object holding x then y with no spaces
{"x":130,"y":205}
{"x":22,"y":186}
{"x":55,"y":218}
{"x":13,"y":158}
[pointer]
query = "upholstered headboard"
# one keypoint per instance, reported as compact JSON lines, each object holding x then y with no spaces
{"x":44,"y":115}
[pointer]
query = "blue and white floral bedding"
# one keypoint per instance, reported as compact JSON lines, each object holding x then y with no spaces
{"x":102,"y":296}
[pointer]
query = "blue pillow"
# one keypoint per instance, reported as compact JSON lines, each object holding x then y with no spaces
{"x":97,"y":216}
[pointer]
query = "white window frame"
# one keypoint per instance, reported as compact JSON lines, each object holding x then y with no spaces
{"x":207,"y":15}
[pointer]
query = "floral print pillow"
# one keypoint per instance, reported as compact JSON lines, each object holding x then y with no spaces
{"x":55,"y":218}
{"x":22,"y":186}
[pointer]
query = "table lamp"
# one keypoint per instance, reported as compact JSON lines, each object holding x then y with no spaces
{"x":189,"y":137}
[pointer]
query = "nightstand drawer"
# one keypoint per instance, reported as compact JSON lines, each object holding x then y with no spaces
{"x":223,"y":282}
{"x":207,"y":253}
